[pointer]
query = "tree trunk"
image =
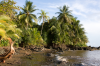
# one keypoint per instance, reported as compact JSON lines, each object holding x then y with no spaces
{"x":42,"y":26}
{"x":41,"y":29}
{"x":8,"y":54}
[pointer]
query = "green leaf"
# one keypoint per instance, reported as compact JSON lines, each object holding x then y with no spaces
{"x":22,"y":16}
{"x":2,"y":32}
{"x":10,"y":32}
{"x":4,"y":17}
{"x":33,"y":17}
{"x":27,"y":19}
{"x":15,"y":35}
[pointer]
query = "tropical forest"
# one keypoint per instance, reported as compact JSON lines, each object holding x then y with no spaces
{"x":23,"y":27}
{"x":20,"y":25}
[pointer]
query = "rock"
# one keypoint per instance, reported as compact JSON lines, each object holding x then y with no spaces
{"x":10,"y":63}
{"x":80,"y":64}
{"x":50,"y":55}
{"x":60,"y":59}
{"x":19,"y":48}
{"x":98,"y":48}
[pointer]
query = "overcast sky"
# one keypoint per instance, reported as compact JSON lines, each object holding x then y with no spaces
{"x":87,"y":11}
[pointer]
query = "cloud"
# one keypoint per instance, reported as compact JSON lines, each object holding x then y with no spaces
{"x":54,"y":6}
{"x":79,"y":7}
{"x":76,"y":7}
{"x":78,"y":13}
{"x":92,"y":28}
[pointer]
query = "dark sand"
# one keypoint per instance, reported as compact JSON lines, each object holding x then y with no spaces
{"x":16,"y":60}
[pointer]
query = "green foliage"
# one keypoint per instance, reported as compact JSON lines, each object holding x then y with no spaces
{"x":64,"y":32}
{"x":64,"y":14}
{"x":8,"y":7}
{"x":35,"y":34}
{"x":8,"y":29}
{"x":43,"y":16}
{"x":26,"y":16}
{"x":81,"y":45}
{"x":8,"y":26}
{"x":64,"y":29}
{"x":4,"y":42}
{"x":78,"y":33}
{"x":32,"y":37}
{"x":52,"y":35}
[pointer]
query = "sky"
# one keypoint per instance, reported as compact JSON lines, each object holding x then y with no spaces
{"x":87,"y":11}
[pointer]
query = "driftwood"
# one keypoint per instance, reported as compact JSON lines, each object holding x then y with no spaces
{"x":8,"y":54}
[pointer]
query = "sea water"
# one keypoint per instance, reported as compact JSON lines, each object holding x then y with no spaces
{"x":86,"y":58}
{"x":89,"y":58}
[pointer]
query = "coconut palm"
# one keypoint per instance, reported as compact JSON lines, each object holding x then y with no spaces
{"x":78,"y":32}
{"x":27,"y":15}
{"x":8,"y":29}
{"x":64,"y":19}
{"x":64,"y":14}
{"x":43,"y":16}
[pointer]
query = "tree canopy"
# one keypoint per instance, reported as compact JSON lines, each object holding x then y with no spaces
{"x":63,"y":29}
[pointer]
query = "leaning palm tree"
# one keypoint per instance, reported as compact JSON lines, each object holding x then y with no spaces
{"x":43,"y":17}
{"x":64,"y":14}
{"x":8,"y":29}
{"x":27,"y":15}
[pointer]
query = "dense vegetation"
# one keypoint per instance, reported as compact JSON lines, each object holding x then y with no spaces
{"x":22,"y":27}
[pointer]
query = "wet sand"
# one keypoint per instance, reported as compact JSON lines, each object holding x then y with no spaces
{"x":27,"y":57}
{"x":16,"y":60}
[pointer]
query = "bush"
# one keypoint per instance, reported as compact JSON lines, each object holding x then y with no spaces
{"x":4,"y":42}
{"x":32,"y":36}
{"x":81,"y":45}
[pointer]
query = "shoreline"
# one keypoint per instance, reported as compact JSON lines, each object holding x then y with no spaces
{"x":26,"y":52}
{"x":20,"y":53}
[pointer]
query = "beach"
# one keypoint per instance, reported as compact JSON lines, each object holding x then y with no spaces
{"x":27,"y":57}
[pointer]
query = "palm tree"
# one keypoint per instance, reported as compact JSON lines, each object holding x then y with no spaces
{"x":43,"y":17}
{"x":8,"y":29}
{"x":64,"y":19}
{"x":78,"y":32}
{"x":27,"y":15}
{"x":64,"y":14}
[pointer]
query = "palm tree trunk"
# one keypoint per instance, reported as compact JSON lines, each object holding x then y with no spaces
{"x":42,"y":26}
{"x":41,"y":29}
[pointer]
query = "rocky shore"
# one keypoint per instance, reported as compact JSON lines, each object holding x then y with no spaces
{"x":71,"y":47}
{"x":16,"y":59}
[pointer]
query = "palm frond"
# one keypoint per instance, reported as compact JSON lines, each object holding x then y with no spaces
{"x":27,"y":19}
{"x":22,"y":16}
{"x":40,"y":18}
{"x":33,"y":17}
